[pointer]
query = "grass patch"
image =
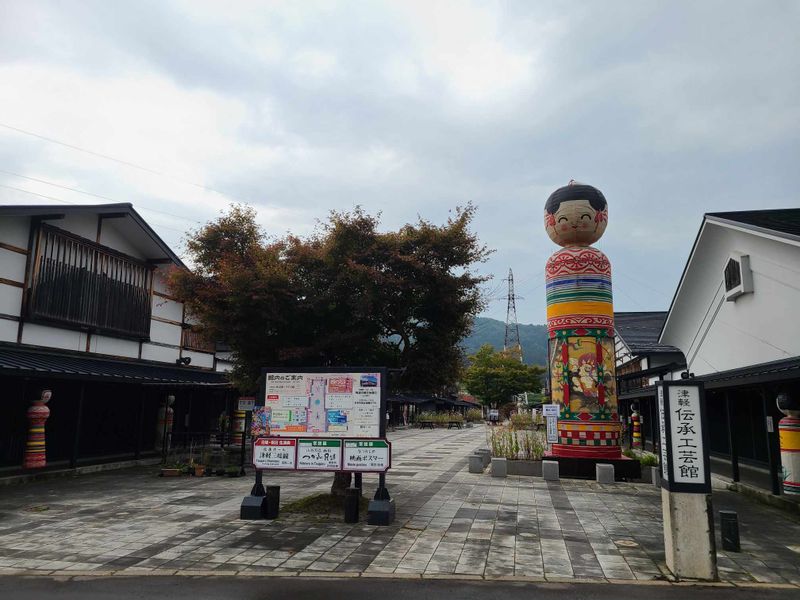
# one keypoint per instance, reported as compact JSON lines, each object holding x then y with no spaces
{"x":322,"y":505}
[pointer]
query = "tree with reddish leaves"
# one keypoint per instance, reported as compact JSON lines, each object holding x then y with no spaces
{"x":347,"y":295}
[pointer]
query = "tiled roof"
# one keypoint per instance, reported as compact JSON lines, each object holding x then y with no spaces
{"x":781,"y":220}
{"x":640,"y":331}
{"x":23,"y":361}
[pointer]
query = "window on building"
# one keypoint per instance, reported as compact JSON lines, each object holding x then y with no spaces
{"x":733,"y":275}
{"x":82,"y":284}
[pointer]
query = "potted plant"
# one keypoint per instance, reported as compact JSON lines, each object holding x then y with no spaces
{"x":173,"y":469}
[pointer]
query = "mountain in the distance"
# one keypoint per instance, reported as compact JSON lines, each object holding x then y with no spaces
{"x":491,"y":331}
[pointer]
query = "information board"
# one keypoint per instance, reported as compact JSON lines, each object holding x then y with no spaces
{"x":274,"y":453}
{"x":246,"y":403}
{"x":324,"y":403}
{"x":319,"y":455}
{"x":552,"y":430}
{"x":684,"y":441}
{"x":368,"y":456}
{"x":550,"y":410}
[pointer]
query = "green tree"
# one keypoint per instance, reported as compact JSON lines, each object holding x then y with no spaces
{"x":494,"y":377}
{"x":347,"y":295}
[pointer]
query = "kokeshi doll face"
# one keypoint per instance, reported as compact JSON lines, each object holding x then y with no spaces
{"x":576,"y":215}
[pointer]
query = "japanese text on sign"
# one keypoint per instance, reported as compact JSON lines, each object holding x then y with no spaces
{"x":687,"y":441}
{"x":323,"y":405}
{"x":272,"y":453}
{"x":366,"y":455}
{"x":319,"y":455}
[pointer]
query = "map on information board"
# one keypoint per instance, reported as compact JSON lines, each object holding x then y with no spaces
{"x":331,"y":405}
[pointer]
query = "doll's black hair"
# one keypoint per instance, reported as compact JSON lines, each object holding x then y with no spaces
{"x":575,"y":191}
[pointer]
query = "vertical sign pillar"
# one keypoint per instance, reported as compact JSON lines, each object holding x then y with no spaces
{"x":686,"y":481}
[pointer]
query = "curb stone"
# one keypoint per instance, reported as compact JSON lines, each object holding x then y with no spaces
{"x":86,"y":575}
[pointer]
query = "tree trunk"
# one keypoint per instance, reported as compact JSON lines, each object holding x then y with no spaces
{"x":341,"y":481}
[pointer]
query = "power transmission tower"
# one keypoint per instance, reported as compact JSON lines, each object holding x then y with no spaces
{"x":512,"y":327}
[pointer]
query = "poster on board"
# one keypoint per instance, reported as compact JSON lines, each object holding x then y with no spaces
{"x":324,"y":404}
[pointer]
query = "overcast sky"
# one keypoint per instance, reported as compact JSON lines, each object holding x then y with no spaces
{"x":672,"y":109}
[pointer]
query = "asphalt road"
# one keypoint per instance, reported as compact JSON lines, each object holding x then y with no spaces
{"x":272,"y":588}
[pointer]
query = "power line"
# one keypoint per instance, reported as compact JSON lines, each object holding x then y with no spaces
{"x":122,"y":162}
{"x":11,"y":187}
{"x":71,"y":189}
{"x":512,"y":327}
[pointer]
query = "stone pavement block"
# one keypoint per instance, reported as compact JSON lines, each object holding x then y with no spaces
{"x":499,"y":467}
{"x":476,"y":463}
{"x":448,"y":524}
{"x":550,"y":470}
{"x":604,"y":473}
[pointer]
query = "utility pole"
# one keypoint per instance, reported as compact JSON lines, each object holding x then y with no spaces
{"x":512,"y":327}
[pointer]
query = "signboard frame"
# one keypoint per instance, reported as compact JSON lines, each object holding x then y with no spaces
{"x":253,"y":457}
{"x":248,"y":401}
{"x":666,"y":403}
{"x":384,"y":440}
{"x":551,"y":410}
{"x":382,"y":371}
{"x":300,"y":469}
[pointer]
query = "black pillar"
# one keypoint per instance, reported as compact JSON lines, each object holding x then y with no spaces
{"x":732,"y":447}
{"x":73,"y":461}
{"x":139,"y":425}
{"x":773,"y":446}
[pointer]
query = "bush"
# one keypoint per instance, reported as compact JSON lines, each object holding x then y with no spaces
{"x":521,"y":421}
{"x":474,"y":415}
{"x":516,"y":445}
{"x":648,"y":459}
{"x":439,"y":419}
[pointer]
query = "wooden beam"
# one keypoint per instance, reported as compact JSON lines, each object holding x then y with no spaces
{"x":13,"y":248}
{"x":11,"y":282}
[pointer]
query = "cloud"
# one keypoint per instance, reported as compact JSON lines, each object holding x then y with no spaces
{"x":411,"y":108}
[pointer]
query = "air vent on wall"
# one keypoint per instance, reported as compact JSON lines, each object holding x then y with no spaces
{"x":738,"y":276}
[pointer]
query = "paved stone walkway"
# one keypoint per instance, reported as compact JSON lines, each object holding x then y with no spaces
{"x":449,"y":523}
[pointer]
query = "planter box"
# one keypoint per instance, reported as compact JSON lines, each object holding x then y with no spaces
{"x":171,"y":472}
{"x":530,"y":468}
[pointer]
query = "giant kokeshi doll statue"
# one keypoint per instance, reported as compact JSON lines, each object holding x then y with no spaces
{"x":580,"y":323}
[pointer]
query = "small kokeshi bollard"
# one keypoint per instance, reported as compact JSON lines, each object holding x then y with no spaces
{"x":239,"y":417}
{"x":35,"y":453}
{"x":789,"y":435}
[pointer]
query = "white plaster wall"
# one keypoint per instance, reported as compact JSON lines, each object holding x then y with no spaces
{"x":167,"y":309}
{"x":160,"y":280}
{"x":53,"y":337}
{"x":15,"y":230}
{"x":8,"y":330}
{"x":200,"y":359}
{"x":165,"y":333}
{"x":159,"y":353}
{"x":10,"y":300}
{"x":110,"y":236}
{"x":224,"y":366}
{"x":114,"y":346}
{"x":84,"y":225}
{"x":12,"y":265}
{"x":716,"y":335}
